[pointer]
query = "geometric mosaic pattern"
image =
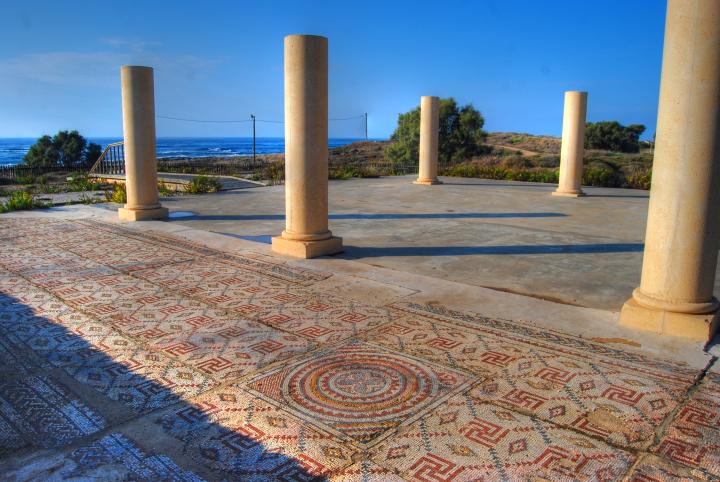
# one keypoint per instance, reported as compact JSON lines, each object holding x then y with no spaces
{"x":243,"y":437}
{"x":468,"y":440}
{"x":358,"y":390}
{"x":113,"y":457}
{"x":365,"y":471}
{"x":557,"y":341}
{"x":136,"y":355}
{"x":656,"y":469}
{"x":693,"y":438}
{"x":615,"y":404}
{"x":36,"y":411}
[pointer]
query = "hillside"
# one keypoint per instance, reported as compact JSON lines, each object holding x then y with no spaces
{"x":532,"y":144}
{"x":510,"y":155}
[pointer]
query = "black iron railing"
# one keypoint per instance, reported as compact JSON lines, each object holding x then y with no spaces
{"x":111,"y":161}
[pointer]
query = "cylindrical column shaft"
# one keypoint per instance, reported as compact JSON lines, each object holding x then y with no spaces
{"x":306,"y":137}
{"x":681,"y":242}
{"x":429,"y":140}
{"x":682,"y":236}
{"x":573,"y":144}
{"x":138,"y":109}
{"x":306,"y":149}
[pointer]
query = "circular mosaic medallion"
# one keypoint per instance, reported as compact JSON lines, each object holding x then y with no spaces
{"x":356,"y":387}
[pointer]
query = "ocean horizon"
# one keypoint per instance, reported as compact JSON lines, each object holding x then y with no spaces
{"x":12,"y":150}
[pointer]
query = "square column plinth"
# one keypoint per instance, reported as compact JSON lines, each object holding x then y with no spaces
{"x":142,"y":214}
{"x":307,"y":249}
{"x":697,"y":327}
{"x":568,"y":194}
{"x":427,"y":182}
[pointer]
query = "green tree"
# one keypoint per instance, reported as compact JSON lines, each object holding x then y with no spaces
{"x":613,"y":136}
{"x":92,"y":153}
{"x":42,"y":154}
{"x":461,"y":135}
{"x":70,"y":146}
{"x":67,"y":149}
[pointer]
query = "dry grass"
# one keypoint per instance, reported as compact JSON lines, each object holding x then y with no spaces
{"x":526,"y":142}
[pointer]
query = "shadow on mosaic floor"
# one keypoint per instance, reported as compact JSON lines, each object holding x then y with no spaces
{"x":48,"y":371}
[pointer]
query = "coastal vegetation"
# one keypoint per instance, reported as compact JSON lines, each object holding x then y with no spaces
{"x":461,"y":134}
{"x":613,"y":136}
{"x":118,"y":194}
{"x":21,"y":200}
{"x":504,"y":156}
{"x":202,"y":185}
{"x":614,"y":157}
{"x":537,"y":159}
{"x":66,"y":149}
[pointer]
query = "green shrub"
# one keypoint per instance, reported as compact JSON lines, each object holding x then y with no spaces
{"x":502,"y":173}
{"x":275,"y":172}
{"x":27,"y":180}
{"x":117,"y":195}
{"x":369,"y":172}
{"x":613,"y":136}
{"x":166,"y":190}
{"x":21,"y":200}
{"x":342,"y":172}
{"x":349,"y":171}
{"x":81,"y":182}
{"x":639,"y":179}
{"x":548,"y":161}
{"x":600,"y":177}
{"x":44,"y":187}
{"x":517,"y":162}
{"x":203,"y":184}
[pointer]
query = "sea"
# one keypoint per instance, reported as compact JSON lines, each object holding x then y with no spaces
{"x":12,"y":150}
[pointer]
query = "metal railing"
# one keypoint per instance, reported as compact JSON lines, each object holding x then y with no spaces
{"x":111,"y":161}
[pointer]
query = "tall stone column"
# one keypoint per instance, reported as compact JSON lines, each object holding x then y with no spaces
{"x":681,"y":242}
{"x":429,"y":139}
{"x":573,"y":145}
{"x":138,"y":107}
{"x":306,"y":233}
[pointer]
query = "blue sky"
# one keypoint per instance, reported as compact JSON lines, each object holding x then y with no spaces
{"x":512,"y":59}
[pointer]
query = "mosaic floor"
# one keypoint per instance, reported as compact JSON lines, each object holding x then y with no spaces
{"x":128,"y":355}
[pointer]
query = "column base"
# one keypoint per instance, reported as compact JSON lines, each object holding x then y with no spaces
{"x":697,"y":327}
{"x":142,"y":214}
{"x":427,"y":182}
{"x":568,"y":193}
{"x":307,"y":249}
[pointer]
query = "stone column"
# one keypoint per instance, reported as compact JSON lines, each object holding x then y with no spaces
{"x":681,"y":242}
{"x":306,"y":233}
{"x":138,"y":107}
{"x":429,"y":139}
{"x":573,"y":145}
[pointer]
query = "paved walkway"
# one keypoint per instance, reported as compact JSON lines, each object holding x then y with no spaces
{"x":67,"y":197}
{"x":509,"y":236}
{"x":137,"y":354}
{"x":228,"y":183}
